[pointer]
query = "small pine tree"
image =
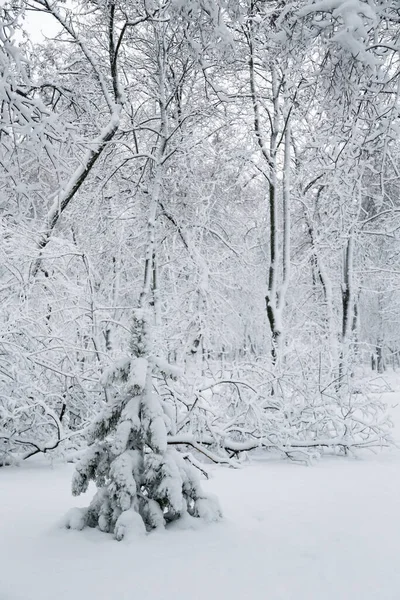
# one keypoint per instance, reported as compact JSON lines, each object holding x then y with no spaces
{"x":142,"y":483}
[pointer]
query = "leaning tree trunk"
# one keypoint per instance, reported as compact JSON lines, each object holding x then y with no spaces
{"x":114,"y":103}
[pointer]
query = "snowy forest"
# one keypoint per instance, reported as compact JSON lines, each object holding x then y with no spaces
{"x":199,"y":244}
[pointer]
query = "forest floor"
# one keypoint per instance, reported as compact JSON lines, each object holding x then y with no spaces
{"x":326,"y":532}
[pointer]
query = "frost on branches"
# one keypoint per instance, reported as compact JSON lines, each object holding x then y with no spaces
{"x":142,"y":483}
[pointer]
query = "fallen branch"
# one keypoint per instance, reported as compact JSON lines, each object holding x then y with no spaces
{"x":289,"y":446}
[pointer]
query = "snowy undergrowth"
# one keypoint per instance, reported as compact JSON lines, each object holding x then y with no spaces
{"x":243,"y":408}
{"x":226,"y":412}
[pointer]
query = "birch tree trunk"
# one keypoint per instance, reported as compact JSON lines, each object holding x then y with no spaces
{"x":347,"y":305}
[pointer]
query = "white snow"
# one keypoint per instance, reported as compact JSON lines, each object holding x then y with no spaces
{"x":138,"y":372}
{"x":124,"y":484}
{"x":167,"y":368}
{"x":326,"y":532}
{"x":75,"y":518}
{"x":130,"y":526}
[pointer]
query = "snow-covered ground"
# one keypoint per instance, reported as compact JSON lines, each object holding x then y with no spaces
{"x":327,"y":532}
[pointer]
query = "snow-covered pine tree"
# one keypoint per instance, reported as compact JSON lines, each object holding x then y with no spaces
{"x":142,"y":483}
